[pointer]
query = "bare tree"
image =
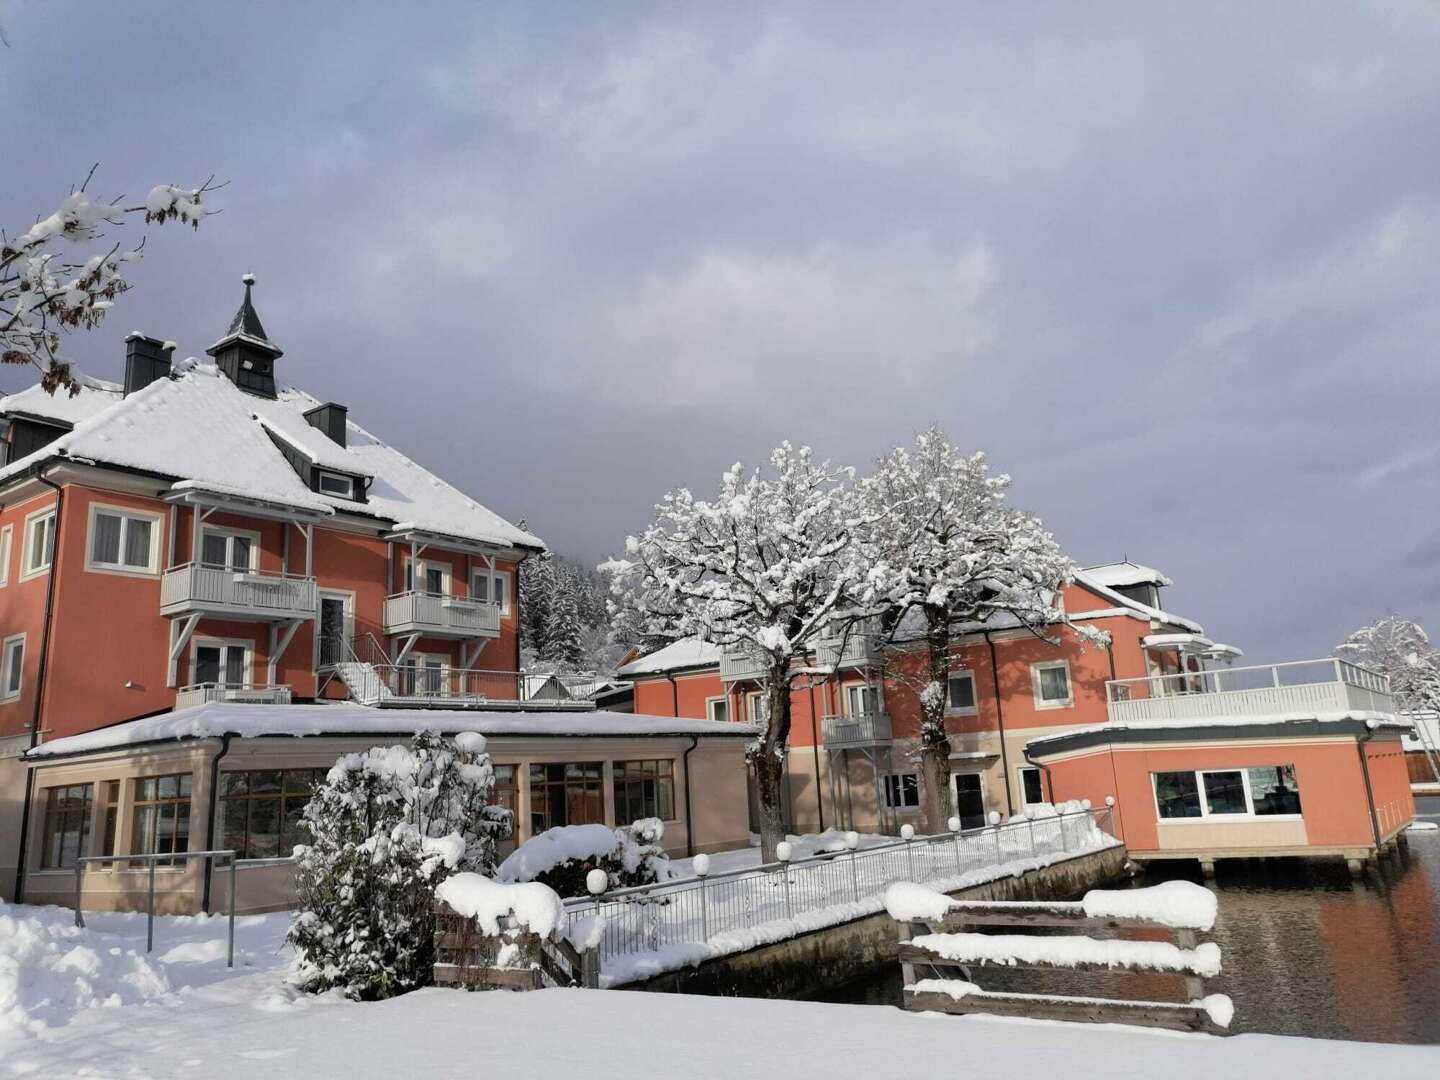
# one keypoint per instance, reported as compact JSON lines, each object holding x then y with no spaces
{"x":767,"y":567}
{"x":950,"y":549}
{"x":43,"y":295}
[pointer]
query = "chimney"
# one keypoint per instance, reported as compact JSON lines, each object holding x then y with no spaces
{"x":329,"y":418}
{"x":146,"y":360}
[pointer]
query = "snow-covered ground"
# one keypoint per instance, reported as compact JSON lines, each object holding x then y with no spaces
{"x":181,"y":1013}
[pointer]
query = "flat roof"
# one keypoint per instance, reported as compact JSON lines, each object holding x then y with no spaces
{"x":1214,"y":729}
{"x":215,"y":719}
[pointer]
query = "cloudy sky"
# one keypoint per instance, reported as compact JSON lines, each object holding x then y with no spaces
{"x":1176,"y":267}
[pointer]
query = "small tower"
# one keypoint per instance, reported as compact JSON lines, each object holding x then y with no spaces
{"x":245,"y":354}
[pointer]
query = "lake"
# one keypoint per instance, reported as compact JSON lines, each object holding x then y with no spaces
{"x":1306,"y":951}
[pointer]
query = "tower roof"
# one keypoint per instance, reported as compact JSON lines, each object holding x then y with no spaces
{"x":246,"y":325}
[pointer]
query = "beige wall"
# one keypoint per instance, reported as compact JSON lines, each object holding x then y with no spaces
{"x":12,"y":801}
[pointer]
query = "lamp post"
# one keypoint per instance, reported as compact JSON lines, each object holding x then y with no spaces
{"x":701,"y":864}
{"x":783,"y":851}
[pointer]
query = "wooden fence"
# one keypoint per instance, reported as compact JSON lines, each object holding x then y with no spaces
{"x":515,"y":959}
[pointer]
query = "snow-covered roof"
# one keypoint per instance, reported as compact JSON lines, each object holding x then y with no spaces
{"x":211,"y":436}
{"x":1198,"y":642}
{"x":1120,"y":575}
{"x":95,"y":396}
{"x":685,"y":653}
{"x":214,"y":719}
{"x":1082,"y":577}
{"x":1371,"y":719}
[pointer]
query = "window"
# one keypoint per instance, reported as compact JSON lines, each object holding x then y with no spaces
{"x":492,"y":587}
{"x":644,"y":789}
{"x":1032,"y":789}
{"x":228,"y":550}
{"x":717,"y":708}
{"x":39,"y":543}
{"x":505,"y":792}
{"x":335,"y":630}
{"x":423,"y":676}
{"x":962,"y":691}
{"x":861,"y":700}
{"x":123,"y":540}
{"x":434,"y":579}
{"x":112,"y":816}
{"x":1052,"y":684}
{"x":337,"y":484}
{"x":566,"y":794}
{"x":1265,"y":791}
{"x":221,"y":664}
{"x":759,"y":708}
{"x":902,"y":791}
{"x":262,"y":810}
{"x":67,"y":825}
{"x":161,"y":821}
{"x":7,"y":536}
{"x":12,"y":667}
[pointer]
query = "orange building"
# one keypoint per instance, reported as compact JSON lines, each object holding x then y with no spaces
{"x":201,"y":541}
{"x":1035,"y":720}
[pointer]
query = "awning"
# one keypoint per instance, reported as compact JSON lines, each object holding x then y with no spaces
{"x":1196,"y":643}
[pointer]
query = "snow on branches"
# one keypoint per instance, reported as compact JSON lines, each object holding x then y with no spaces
{"x":1401,"y":650}
{"x":43,"y":295}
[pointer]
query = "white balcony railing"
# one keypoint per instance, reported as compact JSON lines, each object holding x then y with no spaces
{"x":447,"y":616}
{"x":204,"y":693}
{"x":740,"y":663}
{"x":858,"y":648}
{"x":1328,"y":685}
{"x":441,"y":686}
{"x":219,"y":590}
{"x":866,"y":729}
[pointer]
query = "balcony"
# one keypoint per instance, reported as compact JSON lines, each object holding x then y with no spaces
{"x":868,"y":729}
{"x":860,"y":649}
{"x":204,"y":693}
{"x":439,"y":687}
{"x":737,"y":664}
{"x":196,"y":589}
{"x":1304,"y":686}
{"x":441,"y":616}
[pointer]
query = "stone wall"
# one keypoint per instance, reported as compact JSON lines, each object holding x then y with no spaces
{"x":806,"y":965}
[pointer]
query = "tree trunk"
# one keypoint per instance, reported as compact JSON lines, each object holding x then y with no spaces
{"x":769,"y":761}
{"x":935,"y":800}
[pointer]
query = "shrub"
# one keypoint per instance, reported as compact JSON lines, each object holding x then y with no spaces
{"x":387,"y":827}
{"x":562,"y":857}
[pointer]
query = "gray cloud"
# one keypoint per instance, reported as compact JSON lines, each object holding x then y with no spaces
{"x":1173,"y":265}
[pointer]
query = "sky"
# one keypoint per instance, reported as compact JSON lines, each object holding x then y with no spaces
{"x":1175,"y":267}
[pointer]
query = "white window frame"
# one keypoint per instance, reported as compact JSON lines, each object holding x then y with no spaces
{"x":953,"y":710}
{"x":124,"y":513}
{"x":229,"y":532}
{"x":501,"y":578}
{"x":751,"y":699}
{"x":31,"y":521}
{"x":1206,"y":817}
{"x":422,"y":660}
{"x":1045,"y":665}
{"x":885,"y":779}
{"x":6,"y":694}
{"x":347,"y":598}
{"x":857,"y":692}
{"x":710,"y":704}
{"x":321,"y":475}
{"x":197,"y":643}
{"x":7,"y":544}
{"x":421,"y":569}
{"x":1020,"y":771}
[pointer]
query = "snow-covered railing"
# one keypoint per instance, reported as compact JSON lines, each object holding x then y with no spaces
{"x":1304,"y":685}
{"x":866,"y":729}
{"x":195,"y":587}
{"x":412,"y":685}
{"x":204,"y":693}
{"x":420,"y":612}
{"x":859,"y":648}
{"x":739,"y":663}
{"x":714,"y":914}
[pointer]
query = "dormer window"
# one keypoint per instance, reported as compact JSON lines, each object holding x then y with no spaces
{"x":337,"y":484}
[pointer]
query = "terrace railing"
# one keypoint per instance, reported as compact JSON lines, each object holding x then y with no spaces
{"x":1327,"y":685}
{"x":203,"y":693}
{"x":411,"y":685}
{"x":648,"y":918}
{"x":249,"y":594}
{"x":867,"y":729}
{"x":448,"y":616}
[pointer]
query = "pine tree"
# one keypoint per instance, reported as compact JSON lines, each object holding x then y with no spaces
{"x":563,"y":634}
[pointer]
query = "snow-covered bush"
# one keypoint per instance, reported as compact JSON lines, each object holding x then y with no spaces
{"x":388,"y":827}
{"x":562,"y":857}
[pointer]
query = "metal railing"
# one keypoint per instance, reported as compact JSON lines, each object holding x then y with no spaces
{"x":740,"y":663}
{"x":648,"y":918}
{"x":225,"y":857}
{"x":458,"y":615}
{"x":413,"y":685}
{"x":1300,"y":686}
{"x":195,"y":586}
{"x":859,"y":648}
{"x":864,"y":730}
{"x":203,"y":693}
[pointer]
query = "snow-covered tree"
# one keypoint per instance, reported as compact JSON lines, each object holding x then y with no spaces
{"x":387,"y":827}
{"x":1400,"y":650}
{"x":948,"y":548}
{"x":768,"y":566}
{"x":44,"y":294}
{"x":563,"y":649}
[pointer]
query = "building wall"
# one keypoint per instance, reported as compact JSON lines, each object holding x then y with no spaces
{"x":22,"y":610}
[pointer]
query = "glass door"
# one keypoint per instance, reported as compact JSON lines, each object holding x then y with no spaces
{"x":223,"y":665}
{"x":225,"y":551}
{"x":969,"y":799}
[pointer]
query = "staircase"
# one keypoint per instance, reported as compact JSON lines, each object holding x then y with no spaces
{"x":365,"y":683}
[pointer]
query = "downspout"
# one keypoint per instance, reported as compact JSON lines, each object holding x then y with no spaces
{"x":210,"y":827}
{"x":41,"y":671}
{"x":815,"y":746}
{"x":1369,"y":791}
{"x":674,"y":695}
{"x":689,"y":820}
{"x":1000,"y":721}
{"x":1049,"y":780}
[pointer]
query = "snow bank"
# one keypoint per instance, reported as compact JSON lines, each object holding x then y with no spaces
{"x":1180,"y":904}
{"x":532,"y":906}
{"x":907,"y":902}
{"x":1423,"y":826}
{"x":1012,"y":949}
